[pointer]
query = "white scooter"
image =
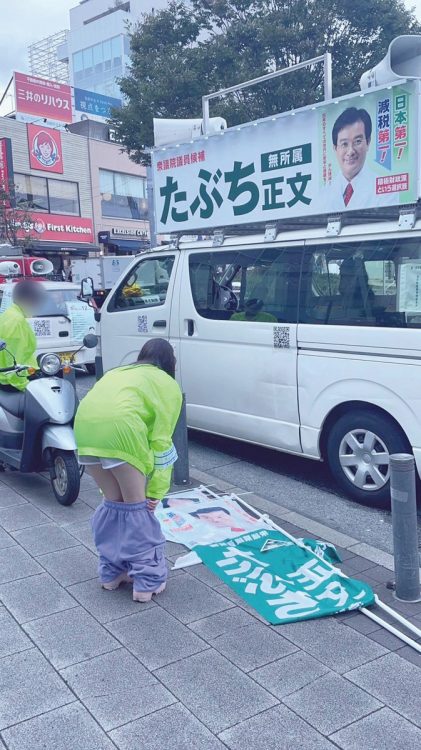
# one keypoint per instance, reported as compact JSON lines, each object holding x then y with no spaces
{"x":36,"y":425}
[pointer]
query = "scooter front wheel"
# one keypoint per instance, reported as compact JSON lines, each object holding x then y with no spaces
{"x":65,"y":477}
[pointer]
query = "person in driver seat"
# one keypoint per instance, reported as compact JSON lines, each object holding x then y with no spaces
{"x":253,"y":312}
{"x":17,"y":333}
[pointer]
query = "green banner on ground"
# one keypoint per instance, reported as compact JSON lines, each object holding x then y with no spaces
{"x":281,"y":579}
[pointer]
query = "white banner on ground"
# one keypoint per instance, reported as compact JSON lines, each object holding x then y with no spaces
{"x":195,"y":517}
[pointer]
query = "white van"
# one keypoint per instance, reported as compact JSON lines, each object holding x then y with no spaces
{"x":62,"y":322}
{"x":307,"y":343}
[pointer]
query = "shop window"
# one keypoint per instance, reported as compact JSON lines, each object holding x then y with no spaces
{"x":31,"y":192}
{"x":123,"y":196}
{"x":63,"y":197}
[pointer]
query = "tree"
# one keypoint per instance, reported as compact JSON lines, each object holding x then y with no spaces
{"x":187,"y":50}
{"x":14,"y":219}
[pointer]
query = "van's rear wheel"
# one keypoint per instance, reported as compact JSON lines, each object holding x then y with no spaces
{"x":359,"y":446}
{"x":65,"y":477}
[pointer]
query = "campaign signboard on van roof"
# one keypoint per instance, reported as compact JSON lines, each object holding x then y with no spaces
{"x":354,"y":153}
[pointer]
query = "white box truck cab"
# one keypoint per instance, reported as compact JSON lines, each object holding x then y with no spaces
{"x":303,"y":335}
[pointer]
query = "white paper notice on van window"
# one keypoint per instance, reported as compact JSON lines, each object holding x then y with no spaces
{"x":82,"y":319}
{"x":409,"y":287}
{"x":7,"y":297}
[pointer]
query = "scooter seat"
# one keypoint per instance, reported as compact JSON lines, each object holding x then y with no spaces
{"x":14,"y":403}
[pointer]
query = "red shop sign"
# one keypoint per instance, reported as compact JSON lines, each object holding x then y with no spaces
{"x":57,"y":228}
{"x":43,"y":98}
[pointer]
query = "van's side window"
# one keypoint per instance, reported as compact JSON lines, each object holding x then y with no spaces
{"x":248,"y":285}
{"x":146,"y":285}
{"x":373,"y":283}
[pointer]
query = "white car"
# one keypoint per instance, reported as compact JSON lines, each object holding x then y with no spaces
{"x":62,"y":322}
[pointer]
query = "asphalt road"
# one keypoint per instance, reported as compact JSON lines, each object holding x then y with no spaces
{"x":296,"y":483}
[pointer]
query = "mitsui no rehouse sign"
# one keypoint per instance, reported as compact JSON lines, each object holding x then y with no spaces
{"x":358,"y":152}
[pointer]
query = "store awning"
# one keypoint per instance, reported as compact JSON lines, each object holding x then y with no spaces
{"x":54,"y":248}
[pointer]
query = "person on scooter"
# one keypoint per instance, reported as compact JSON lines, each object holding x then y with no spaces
{"x":123,"y":431}
{"x":18,"y":334}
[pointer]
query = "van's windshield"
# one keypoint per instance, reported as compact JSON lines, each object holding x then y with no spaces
{"x":55,"y":302}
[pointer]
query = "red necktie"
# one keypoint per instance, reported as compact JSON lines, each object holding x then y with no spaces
{"x":349,"y":191}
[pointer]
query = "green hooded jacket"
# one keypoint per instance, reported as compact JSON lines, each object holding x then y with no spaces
{"x":130,"y":414}
{"x":21,"y":342}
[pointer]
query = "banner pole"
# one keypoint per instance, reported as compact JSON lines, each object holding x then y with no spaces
{"x":265,"y":517}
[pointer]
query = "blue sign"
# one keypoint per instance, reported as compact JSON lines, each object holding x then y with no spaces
{"x":91,"y":103}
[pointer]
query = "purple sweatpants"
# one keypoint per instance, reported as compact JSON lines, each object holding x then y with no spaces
{"x":129,"y":539}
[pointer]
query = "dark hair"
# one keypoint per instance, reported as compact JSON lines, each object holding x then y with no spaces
{"x":349,"y":117}
{"x":209,"y":510}
{"x":160,"y":353}
{"x":27,"y":291}
{"x":166,"y":501}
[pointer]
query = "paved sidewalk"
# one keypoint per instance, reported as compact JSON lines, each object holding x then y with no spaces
{"x":86,"y":669}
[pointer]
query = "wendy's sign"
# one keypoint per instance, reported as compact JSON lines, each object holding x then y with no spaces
{"x":45,"y":151}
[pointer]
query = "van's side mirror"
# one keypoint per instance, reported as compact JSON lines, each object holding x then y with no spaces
{"x":90,"y":341}
{"x":87,"y":289}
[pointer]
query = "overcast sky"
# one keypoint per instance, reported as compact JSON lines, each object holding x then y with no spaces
{"x":26,"y":21}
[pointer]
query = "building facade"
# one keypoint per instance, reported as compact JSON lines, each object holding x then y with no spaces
{"x":52,"y":184}
{"x":97,"y":45}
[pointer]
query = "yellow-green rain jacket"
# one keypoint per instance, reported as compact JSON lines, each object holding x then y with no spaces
{"x":130,"y":414}
{"x":21,"y":342}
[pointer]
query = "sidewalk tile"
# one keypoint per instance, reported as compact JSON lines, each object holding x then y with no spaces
{"x":82,"y":531}
{"x":383,"y":730}
{"x":21,"y":517}
{"x":106,"y":605}
{"x":202,"y":573}
{"x":386,"y":639}
{"x":380,"y":574}
{"x":226,"y":591}
{"x":15,"y":563}
{"x":12,"y":637}
{"x":222,"y":622}
{"x":172,"y":548}
{"x":35,"y":597}
{"x":331,"y":704}
{"x":188,"y":599}
{"x":62,"y":729}
{"x":408,"y":653}
{"x":216,"y":691}
{"x":9,"y":497}
{"x":354,"y":565}
{"x":39,"y":540}
{"x":395,"y":682}
{"x":172,"y":728}
{"x":289,"y":674}
{"x":29,"y":686}
{"x":155,"y":637}
{"x":61,"y":514}
{"x":334,"y":644}
{"x":70,"y":637}
{"x":6,"y":540}
{"x":91,"y":497}
{"x":277,"y":728}
{"x":253,"y":646}
{"x":361,"y":623}
{"x":116,"y":688}
{"x":71,"y":565}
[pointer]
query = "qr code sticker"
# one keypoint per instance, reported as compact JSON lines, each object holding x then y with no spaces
{"x":281,"y":337}
{"x":142,"y":323}
{"x":42,"y":327}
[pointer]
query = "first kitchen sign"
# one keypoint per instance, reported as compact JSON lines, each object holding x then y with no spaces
{"x":293,"y":165}
{"x":57,"y":228}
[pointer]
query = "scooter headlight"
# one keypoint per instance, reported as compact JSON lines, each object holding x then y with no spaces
{"x":50,"y":364}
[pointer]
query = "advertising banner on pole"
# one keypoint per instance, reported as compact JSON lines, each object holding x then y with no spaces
{"x":282,"y":580}
{"x":355,"y":153}
{"x":42,"y":98}
{"x":6,"y":171}
{"x":45,"y":151}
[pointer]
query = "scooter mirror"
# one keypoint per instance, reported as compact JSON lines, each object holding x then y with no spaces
{"x":90,"y":341}
{"x":2,"y":345}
